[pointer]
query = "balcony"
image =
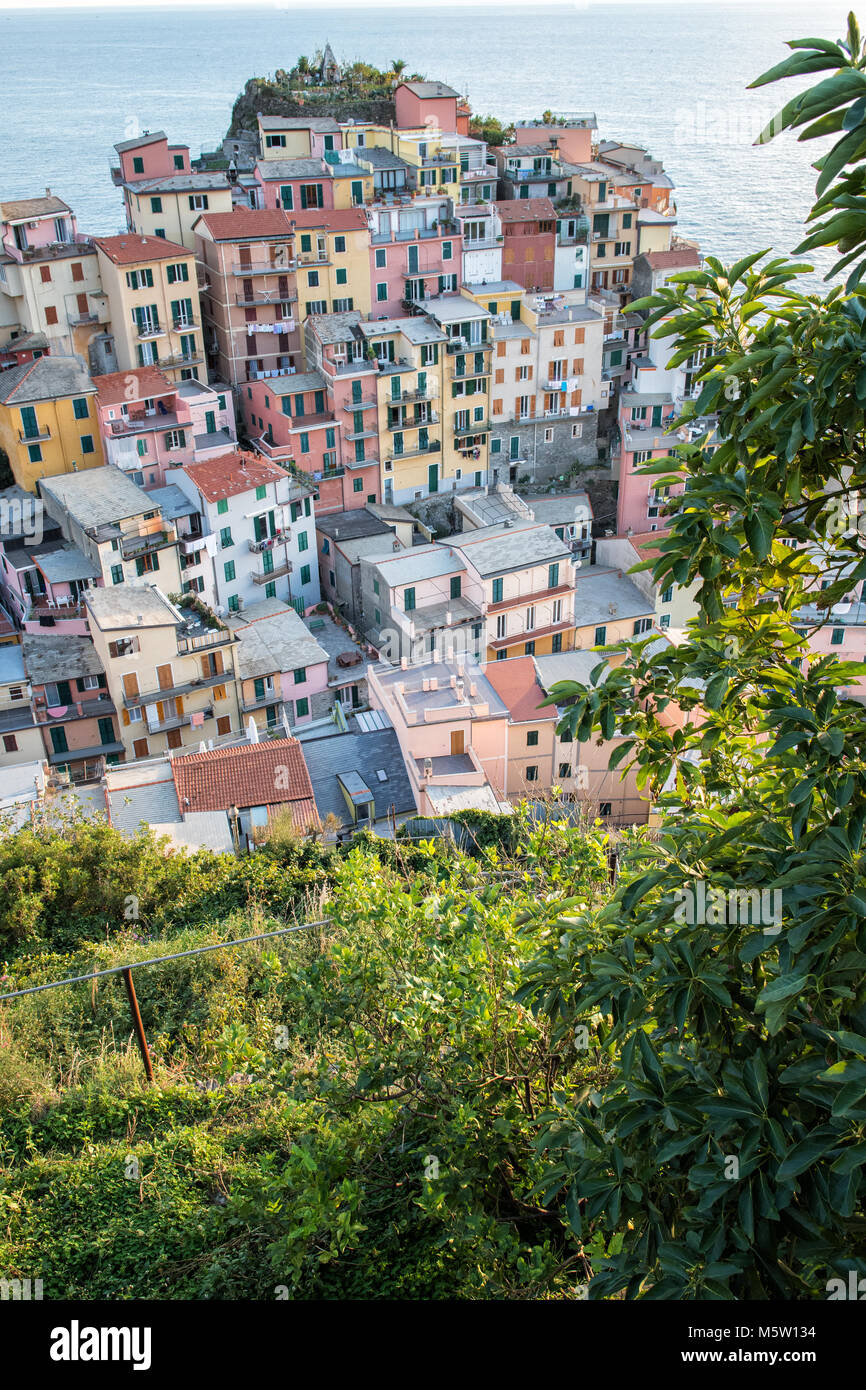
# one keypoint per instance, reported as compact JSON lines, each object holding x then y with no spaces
{"x":465,"y":373}
{"x":432,"y":419}
{"x":461,"y":345}
{"x":280,"y":537}
{"x":101,"y":706}
{"x":307,"y":262}
{"x":178,"y":721}
{"x":270,"y":697}
{"x":148,"y":331}
{"x":426,"y":395}
{"x":278,"y":572}
{"x":190,"y":544}
{"x":521,"y":600}
{"x":473,"y":427}
{"x":264,"y":297}
{"x":434,"y":447}
{"x":173,"y":692}
{"x":42,"y":432}
{"x":133,"y":546}
{"x":204,"y":641}
{"x":263,"y":267}
{"x":83,"y":320}
{"x":182,"y":359}
{"x":367,"y":403}
{"x":183,"y":325}
{"x":353,"y":435}
{"x":327,"y":473}
{"x":135,"y":424}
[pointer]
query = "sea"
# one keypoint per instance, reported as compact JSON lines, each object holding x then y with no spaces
{"x":670,"y":77}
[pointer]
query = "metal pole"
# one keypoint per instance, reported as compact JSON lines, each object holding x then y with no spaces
{"x":138,"y":1025}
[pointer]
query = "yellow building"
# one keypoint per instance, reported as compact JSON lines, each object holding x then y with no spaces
{"x":169,"y":207}
{"x":170,"y":673}
{"x":48,"y":420}
{"x":332,"y":250}
{"x":466,"y":374}
{"x":154,"y":304}
{"x":409,"y":405}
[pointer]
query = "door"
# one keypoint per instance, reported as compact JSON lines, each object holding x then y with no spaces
{"x":514,"y":446}
{"x":433,"y":477}
{"x":106,"y":731}
{"x":457,"y":743}
{"x":657,"y":415}
{"x":29,"y":426}
{"x":58,"y":740}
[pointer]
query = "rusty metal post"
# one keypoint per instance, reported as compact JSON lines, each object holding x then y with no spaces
{"x":138,"y":1025}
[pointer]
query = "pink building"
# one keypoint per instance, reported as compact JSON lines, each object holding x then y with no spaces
{"x":282,"y":669}
{"x":73,"y":707}
{"x":426,"y":105}
{"x":452,"y":728}
{"x":415,"y":254}
{"x":310,"y":419}
{"x":301,"y":185}
{"x":643,"y":421}
{"x":42,"y":586}
{"x":149,"y":424}
{"x":149,"y":156}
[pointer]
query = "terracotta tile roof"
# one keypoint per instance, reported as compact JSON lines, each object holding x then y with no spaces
{"x":256,"y":774}
{"x":516,"y":683}
{"x":525,"y":209}
{"x":112,"y":389}
{"x":662,"y":260}
{"x":129,"y":248}
{"x":231,"y":474}
{"x":242,"y":224}
{"x":331,"y":219}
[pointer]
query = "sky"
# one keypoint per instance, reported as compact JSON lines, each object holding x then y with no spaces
{"x":382,"y":4}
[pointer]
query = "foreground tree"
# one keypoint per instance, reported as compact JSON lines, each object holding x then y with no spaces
{"x":725,"y":1157}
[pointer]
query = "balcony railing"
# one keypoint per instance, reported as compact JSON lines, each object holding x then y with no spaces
{"x":433,"y":447}
{"x":177,"y":721}
{"x":310,"y":261}
{"x":180,"y":325}
{"x":182,"y":359}
{"x":263,"y":267}
{"x":36,"y":436}
{"x":45,"y":608}
{"x":190,"y":544}
{"x":268,"y":542}
{"x":276,"y":573}
{"x":270,"y":697}
{"x":432,"y":419}
{"x":367,"y":403}
{"x":353,"y":435}
{"x":473,"y":427}
{"x":265,"y":297}
{"x":146,"y":331}
{"x":131,"y":546}
{"x":457,"y":345}
{"x":174,"y":692}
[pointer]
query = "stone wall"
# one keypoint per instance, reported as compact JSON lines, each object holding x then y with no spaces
{"x":543,"y":462}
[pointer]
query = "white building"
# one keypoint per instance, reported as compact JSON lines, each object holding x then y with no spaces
{"x":258,"y":522}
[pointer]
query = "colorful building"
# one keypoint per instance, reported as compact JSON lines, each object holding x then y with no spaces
{"x":149,"y":424}
{"x":527,"y":576}
{"x":162,"y":195}
{"x":51,"y":293}
{"x":529,"y":241}
{"x":48,"y":419}
{"x":153,"y":298}
{"x":74,"y":710}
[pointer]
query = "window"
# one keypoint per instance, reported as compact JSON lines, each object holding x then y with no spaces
{"x":600,"y":636}
{"x":156,"y":205}
{"x":837,"y":637}
{"x":553,"y":576}
{"x":532,"y":773}
{"x":532,"y":738}
{"x":226,"y":538}
{"x":455,"y":585}
{"x":529,"y":649}
{"x":302,"y":708}
{"x":86,"y":443}
{"x":10,"y":743}
{"x":229,"y":571}
{"x":381,"y":291}
{"x":137,"y":164}
{"x":381,"y":259}
{"x":303,"y":541}
{"x":50,"y":314}
{"x":357,"y":484}
{"x":222,"y":506}
{"x":305,"y":574}
{"x":198,"y":202}
{"x":342,"y":275}
{"x":234,"y":603}
{"x":408,"y":600}
{"x":497,"y":590}
{"x":117,"y":574}
{"x":446,"y":251}
{"x":565,"y":769}
{"x":79,"y":408}
{"x":313,"y":279}
{"x":668,"y":594}
{"x":339,"y":244}
{"x":300,"y":675}
{"x":642,"y":625}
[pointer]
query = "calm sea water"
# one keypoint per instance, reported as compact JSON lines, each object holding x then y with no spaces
{"x":672,"y":78}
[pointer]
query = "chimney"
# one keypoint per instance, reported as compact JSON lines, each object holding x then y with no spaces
{"x":48,"y":192}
